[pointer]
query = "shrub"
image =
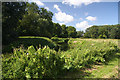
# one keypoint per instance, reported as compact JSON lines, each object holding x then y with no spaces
{"x":31,"y":63}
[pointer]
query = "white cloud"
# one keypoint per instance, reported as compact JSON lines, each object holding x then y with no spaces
{"x":79,"y":2}
{"x":38,"y":2}
{"x":57,"y":7}
{"x":90,"y":18}
{"x":47,"y":8}
{"x":63,"y":17}
{"x":61,"y":23}
{"x":82,"y":25}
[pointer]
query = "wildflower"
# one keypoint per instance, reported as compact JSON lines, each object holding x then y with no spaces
{"x":74,"y":41}
{"x":27,"y":53}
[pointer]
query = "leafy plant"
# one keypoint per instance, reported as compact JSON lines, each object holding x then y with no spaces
{"x":31,"y":63}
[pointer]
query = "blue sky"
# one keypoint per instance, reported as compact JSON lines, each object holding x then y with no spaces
{"x":83,"y":15}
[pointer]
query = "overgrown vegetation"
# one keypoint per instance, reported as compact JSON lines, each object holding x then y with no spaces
{"x":48,"y":63}
{"x":36,"y":47}
{"x":31,"y":63}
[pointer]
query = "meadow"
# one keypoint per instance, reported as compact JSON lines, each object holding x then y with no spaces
{"x":41,"y":57}
{"x":36,"y":46}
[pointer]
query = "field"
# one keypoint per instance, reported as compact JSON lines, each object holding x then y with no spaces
{"x":50,"y":58}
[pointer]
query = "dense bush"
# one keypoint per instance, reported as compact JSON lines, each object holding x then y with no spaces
{"x":31,"y":63}
{"x":83,"y":53}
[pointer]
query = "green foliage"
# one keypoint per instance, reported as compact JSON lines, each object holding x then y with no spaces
{"x":36,"y":22}
{"x":47,"y":63}
{"x":57,"y":29}
{"x":64,"y":33}
{"x":80,"y":34}
{"x":71,"y":31}
{"x":32,"y":63}
{"x":11,"y":14}
{"x":62,"y":43}
{"x":29,"y":40}
{"x":104,"y":31}
{"x":82,"y":53}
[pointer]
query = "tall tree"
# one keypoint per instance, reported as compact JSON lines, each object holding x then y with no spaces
{"x":57,"y":30}
{"x":64,"y":31}
{"x":11,"y":14}
{"x":45,"y":14}
{"x":71,"y":31}
{"x":36,"y":21}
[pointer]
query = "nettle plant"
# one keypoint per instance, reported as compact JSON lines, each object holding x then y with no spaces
{"x":32,"y":63}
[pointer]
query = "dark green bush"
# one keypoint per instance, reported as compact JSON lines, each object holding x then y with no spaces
{"x":28,"y":41}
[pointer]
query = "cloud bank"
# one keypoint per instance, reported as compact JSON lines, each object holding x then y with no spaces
{"x":90,"y":18}
{"x":62,"y":16}
{"x":79,"y":2}
{"x":38,"y":2}
{"x":82,"y":25}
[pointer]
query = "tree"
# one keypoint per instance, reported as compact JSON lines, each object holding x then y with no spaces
{"x":64,"y":33}
{"x":80,"y":34}
{"x":36,"y":22}
{"x":11,"y":14}
{"x":103,"y":31}
{"x":45,"y":14}
{"x":57,"y":30}
{"x":71,"y":31}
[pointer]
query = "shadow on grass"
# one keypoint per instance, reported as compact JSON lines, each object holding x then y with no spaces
{"x":87,"y":71}
{"x":114,"y":56}
{"x":75,"y":74}
{"x":36,"y":42}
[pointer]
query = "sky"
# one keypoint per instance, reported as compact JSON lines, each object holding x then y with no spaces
{"x":81,"y":14}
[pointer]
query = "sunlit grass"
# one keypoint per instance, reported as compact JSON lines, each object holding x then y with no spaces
{"x":105,"y":71}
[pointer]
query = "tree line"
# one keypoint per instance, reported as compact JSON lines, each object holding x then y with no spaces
{"x":27,"y":19}
{"x":103,"y":31}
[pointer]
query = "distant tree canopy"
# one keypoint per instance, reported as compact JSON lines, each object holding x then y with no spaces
{"x":71,"y":31}
{"x":105,"y":31}
{"x":27,"y":19}
{"x":80,"y":34}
